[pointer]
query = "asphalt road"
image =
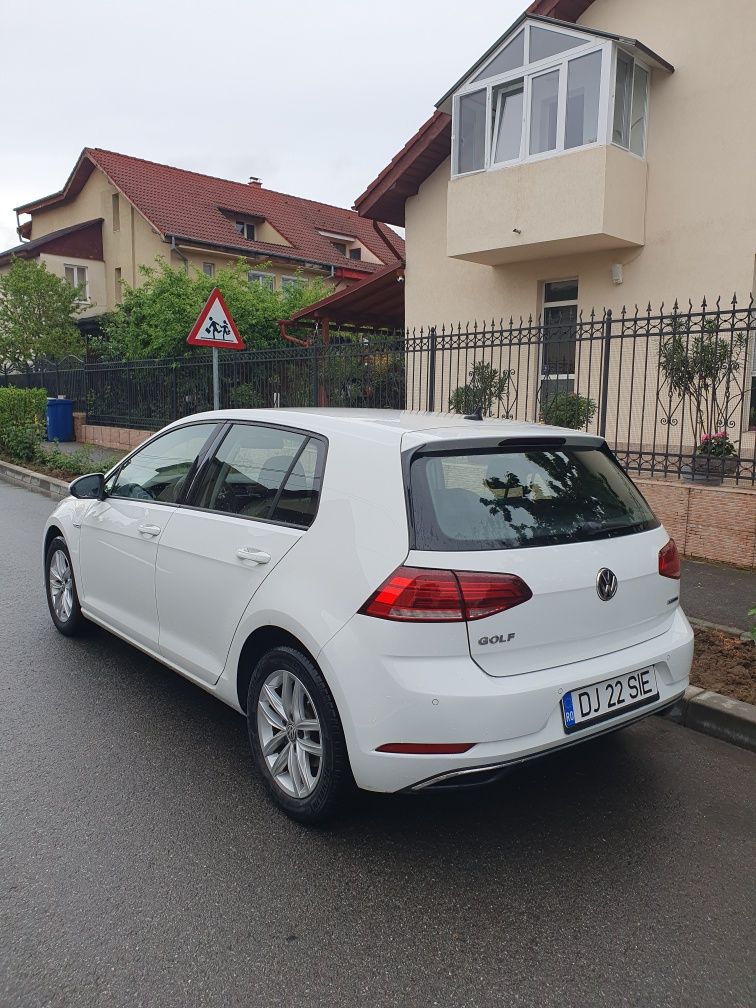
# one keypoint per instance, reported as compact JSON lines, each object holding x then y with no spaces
{"x":142,"y":865}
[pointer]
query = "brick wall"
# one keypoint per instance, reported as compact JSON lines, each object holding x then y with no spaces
{"x":708,"y":522}
{"x":117,"y":438}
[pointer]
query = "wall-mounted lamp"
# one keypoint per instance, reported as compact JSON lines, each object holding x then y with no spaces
{"x":617,"y":273}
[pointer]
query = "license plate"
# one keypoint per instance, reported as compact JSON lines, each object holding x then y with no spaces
{"x":608,"y":698}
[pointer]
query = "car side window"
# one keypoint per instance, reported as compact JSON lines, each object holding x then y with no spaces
{"x":158,"y":471}
{"x":262,"y":472}
{"x":298,"y":501}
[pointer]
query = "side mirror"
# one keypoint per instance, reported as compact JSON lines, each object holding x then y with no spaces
{"x":90,"y":487}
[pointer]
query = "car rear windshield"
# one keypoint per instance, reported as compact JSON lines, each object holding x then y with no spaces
{"x":498,"y":498}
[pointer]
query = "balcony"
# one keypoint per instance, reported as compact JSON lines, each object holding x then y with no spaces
{"x":585,"y":201}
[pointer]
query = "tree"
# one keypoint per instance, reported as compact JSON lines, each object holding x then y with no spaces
{"x":155,"y":319}
{"x":37,"y":311}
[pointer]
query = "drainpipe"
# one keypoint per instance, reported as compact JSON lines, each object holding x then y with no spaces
{"x":180,"y":254}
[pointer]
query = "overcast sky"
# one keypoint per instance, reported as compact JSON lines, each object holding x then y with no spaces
{"x":314,"y":97}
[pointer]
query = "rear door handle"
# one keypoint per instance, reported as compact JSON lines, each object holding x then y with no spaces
{"x":255,"y":555}
{"x":150,"y":530}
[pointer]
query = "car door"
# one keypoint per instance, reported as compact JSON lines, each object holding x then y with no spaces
{"x":253,"y":501}
{"x":120,"y":535}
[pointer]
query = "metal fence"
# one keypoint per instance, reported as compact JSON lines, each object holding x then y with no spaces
{"x":660,"y":386}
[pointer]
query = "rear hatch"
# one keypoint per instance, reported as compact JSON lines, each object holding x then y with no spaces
{"x":556,"y":513}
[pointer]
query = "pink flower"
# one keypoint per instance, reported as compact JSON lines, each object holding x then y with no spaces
{"x":721,"y":433}
{"x":706,"y":437}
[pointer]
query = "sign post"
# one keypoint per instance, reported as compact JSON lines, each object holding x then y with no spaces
{"x":215,"y":328}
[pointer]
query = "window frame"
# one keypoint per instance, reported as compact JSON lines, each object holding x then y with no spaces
{"x":293,"y":281}
{"x":208,"y":268}
{"x":261,"y":277}
{"x":199,"y":479}
{"x":76,"y":268}
{"x":616,"y":50}
{"x":527,"y":72}
{"x":241,"y":227}
{"x":564,"y":303}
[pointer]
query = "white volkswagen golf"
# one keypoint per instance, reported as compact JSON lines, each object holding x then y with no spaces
{"x":397,"y":600}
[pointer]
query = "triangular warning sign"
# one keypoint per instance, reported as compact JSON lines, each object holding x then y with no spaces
{"x":215,"y":327}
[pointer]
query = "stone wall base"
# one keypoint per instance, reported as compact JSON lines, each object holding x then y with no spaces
{"x":118,"y":438}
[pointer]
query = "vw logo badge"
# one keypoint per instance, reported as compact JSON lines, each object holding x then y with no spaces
{"x":606,"y":584}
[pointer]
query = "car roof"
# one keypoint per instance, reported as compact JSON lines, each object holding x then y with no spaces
{"x":389,"y":424}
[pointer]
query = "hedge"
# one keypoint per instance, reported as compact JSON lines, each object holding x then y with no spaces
{"x":22,"y":419}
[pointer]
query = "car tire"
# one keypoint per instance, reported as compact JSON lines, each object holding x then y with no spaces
{"x":60,"y":585}
{"x":296,"y":736}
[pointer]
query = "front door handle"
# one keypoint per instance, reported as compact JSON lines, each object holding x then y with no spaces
{"x":150,"y":530}
{"x":255,"y":555}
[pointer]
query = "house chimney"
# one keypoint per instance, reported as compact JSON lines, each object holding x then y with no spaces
{"x":255,"y":181}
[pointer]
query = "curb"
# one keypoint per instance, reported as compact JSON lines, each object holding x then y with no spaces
{"x":30,"y":480}
{"x":719,"y":716}
{"x":703,"y":624}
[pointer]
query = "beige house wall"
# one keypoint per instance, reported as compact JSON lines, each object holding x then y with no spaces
{"x":97,"y":292}
{"x":698,"y":219}
{"x":700,"y":214}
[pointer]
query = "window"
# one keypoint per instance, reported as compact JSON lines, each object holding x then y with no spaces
{"x":292,"y":281}
{"x":208,"y":269}
{"x":471,"y":125}
{"x":116,"y":206}
{"x":545,"y":92}
{"x":583,"y":87}
{"x":266,"y":279}
{"x":497,"y":499}
{"x":511,"y":57}
{"x":630,"y":101}
{"x":158,"y":471}
{"x":543,"y":112}
{"x":118,"y":286}
{"x":265,"y":473}
{"x":560,"y":299}
{"x":340,"y":247}
{"x":246,"y":229}
{"x":355,"y":253}
{"x":76,"y":276}
{"x":507,"y":123}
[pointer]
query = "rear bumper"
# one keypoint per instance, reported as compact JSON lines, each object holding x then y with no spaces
{"x":384,"y":699}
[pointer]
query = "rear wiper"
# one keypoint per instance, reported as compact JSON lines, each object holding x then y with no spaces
{"x":596,"y":528}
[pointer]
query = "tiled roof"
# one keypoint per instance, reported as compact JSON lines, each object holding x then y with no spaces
{"x":201,"y":208}
{"x":82,"y":241}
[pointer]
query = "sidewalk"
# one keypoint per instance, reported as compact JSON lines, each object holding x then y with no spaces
{"x":718,"y":594}
{"x":96,"y":452}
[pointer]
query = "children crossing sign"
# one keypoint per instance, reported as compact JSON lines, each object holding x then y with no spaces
{"x":215,"y":327}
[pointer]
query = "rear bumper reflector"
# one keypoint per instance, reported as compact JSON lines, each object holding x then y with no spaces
{"x":426,"y":748}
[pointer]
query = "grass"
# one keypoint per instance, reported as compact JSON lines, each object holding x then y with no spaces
{"x":66,"y":465}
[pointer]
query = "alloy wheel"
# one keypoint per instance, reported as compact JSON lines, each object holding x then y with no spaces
{"x":61,"y":585}
{"x":290,"y":734}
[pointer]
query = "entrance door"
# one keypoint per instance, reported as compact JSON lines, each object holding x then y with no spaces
{"x":560,"y":299}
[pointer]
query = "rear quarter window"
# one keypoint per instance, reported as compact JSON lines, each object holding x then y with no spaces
{"x":492,"y":498}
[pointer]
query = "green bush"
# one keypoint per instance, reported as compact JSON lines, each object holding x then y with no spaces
{"x":485,"y":390}
{"x":76,"y":463}
{"x":22,"y":421}
{"x":568,"y":409}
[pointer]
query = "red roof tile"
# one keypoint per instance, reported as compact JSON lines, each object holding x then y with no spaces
{"x":201,"y":208}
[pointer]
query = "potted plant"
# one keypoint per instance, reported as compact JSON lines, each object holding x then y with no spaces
{"x":715,"y":457}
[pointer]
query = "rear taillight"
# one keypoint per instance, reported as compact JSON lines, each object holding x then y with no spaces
{"x":419,"y":595}
{"x":669,"y":560}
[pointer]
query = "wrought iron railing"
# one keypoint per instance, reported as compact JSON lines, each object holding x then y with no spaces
{"x":658,"y":385}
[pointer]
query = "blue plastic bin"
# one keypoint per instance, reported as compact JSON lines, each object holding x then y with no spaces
{"x":60,"y":425}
